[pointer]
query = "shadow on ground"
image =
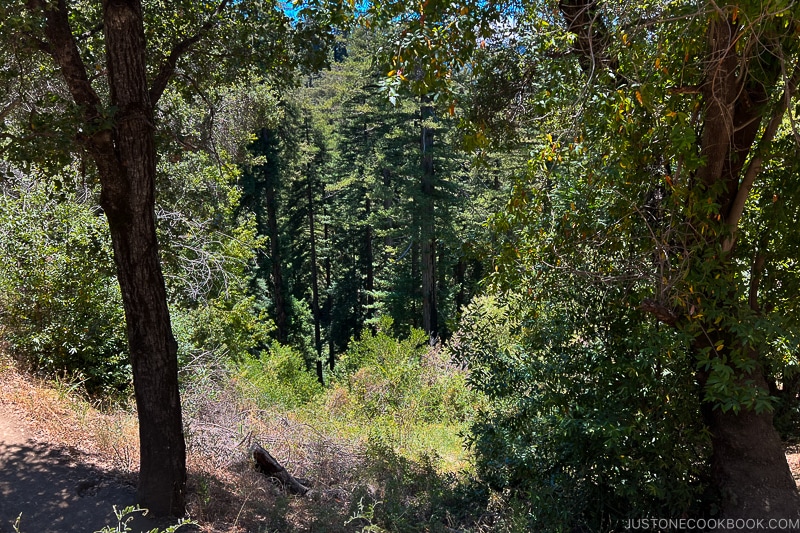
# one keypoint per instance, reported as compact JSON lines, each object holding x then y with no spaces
{"x":57,"y":490}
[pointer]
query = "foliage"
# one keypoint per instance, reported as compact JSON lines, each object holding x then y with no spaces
{"x":210,"y":258}
{"x":375,"y":215}
{"x":414,"y":496}
{"x":277,"y":377}
{"x":658,"y":135}
{"x":592,"y":418}
{"x":59,"y":302}
{"x":401,"y":378}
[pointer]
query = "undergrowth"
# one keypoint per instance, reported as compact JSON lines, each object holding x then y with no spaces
{"x":380,"y":445}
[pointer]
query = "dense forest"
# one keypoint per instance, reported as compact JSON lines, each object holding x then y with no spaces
{"x":562,"y":235}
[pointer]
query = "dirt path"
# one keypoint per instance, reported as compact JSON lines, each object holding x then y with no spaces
{"x":56,"y":489}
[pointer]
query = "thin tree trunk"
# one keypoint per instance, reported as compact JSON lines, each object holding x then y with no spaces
{"x":369,"y":260}
{"x":278,"y":296}
{"x":329,"y":299}
{"x":428,"y":228}
{"x":388,"y":201}
{"x":415,"y":276}
{"x":459,"y":275}
{"x":314,"y":281}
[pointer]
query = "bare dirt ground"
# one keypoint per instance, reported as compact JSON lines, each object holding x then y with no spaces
{"x":53,"y":488}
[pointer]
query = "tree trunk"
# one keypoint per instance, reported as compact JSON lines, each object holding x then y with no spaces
{"x":329,"y":299}
{"x":748,"y":462}
{"x":278,"y":294}
{"x":314,"y":281}
{"x":388,"y":202}
{"x":749,"y":466}
{"x":128,"y":198}
{"x":153,"y":351}
{"x":460,"y":276}
{"x":369,"y":262}
{"x":126,"y":162}
{"x":428,"y":228}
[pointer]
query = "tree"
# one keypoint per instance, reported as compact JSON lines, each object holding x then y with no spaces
{"x":114,"y":62}
{"x":678,"y":129}
{"x":416,"y":229}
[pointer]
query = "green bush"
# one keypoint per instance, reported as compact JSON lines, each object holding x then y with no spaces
{"x":406,"y":378}
{"x":277,"y":377}
{"x":60,"y":305}
{"x":593,"y":418}
{"x":233,"y":327}
{"x":413,"y":495}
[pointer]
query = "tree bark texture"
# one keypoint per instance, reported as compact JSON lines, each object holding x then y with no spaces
{"x":128,"y":198}
{"x":124,"y":154}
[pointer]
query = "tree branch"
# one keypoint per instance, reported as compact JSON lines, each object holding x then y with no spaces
{"x":593,"y":37}
{"x":272,"y":468}
{"x":660,"y":311}
{"x":63,"y":49}
{"x":167,"y":69}
{"x":756,"y":162}
{"x":9,"y":108}
{"x":88,"y":33}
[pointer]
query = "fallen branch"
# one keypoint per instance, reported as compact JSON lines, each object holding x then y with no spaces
{"x":267,"y":465}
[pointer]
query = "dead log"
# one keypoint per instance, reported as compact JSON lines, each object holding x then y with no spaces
{"x":267,"y":465}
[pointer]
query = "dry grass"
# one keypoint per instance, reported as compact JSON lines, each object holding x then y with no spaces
{"x":225,"y":493}
{"x":60,"y":414}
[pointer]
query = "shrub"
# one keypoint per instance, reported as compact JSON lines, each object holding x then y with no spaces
{"x":60,"y":304}
{"x":592,"y":418}
{"x":233,"y":327}
{"x":405,"y":378}
{"x":277,"y":376}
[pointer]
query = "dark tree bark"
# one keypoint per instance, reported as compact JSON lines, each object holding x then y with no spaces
{"x":125,"y":156}
{"x":749,"y":465}
{"x":428,"y":228}
{"x":460,"y":276}
{"x":128,"y":198}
